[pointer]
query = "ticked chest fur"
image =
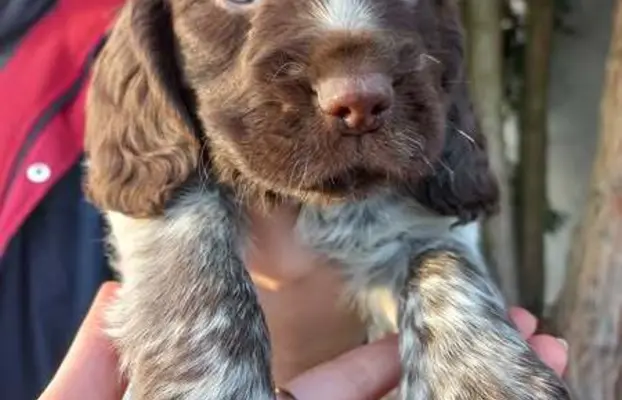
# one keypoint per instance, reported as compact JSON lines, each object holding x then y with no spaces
{"x":187,"y":302}
{"x":372,"y":241}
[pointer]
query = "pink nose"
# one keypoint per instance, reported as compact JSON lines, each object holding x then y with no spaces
{"x":360,"y":101}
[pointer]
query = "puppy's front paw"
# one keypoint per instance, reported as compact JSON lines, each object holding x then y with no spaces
{"x":475,"y":365}
{"x":457,"y":341}
{"x":490,"y":376}
{"x":172,"y":347}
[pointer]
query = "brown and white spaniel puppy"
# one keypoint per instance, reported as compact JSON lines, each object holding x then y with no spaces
{"x":358,"y":111}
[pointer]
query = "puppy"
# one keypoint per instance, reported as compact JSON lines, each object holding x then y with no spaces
{"x":358,"y":111}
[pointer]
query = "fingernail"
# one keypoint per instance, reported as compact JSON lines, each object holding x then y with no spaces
{"x":563,"y":343}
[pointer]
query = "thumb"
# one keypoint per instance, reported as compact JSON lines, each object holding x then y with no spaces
{"x":366,"y":373}
{"x":89,"y":370}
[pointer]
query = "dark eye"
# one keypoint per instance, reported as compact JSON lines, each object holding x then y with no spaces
{"x":239,"y":5}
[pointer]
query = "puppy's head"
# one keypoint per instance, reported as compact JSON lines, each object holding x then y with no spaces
{"x":321,"y":100}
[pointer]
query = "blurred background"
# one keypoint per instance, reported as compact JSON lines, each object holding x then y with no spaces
{"x":547,"y":82}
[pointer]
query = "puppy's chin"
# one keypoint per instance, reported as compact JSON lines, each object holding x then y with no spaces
{"x":353,"y":185}
{"x":321,"y":183}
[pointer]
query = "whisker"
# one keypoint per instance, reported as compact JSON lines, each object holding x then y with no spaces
{"x":304,"y":174}
{"x":426,"y":160}
{"x":431,"y":58}
{"x":203,"y":167}
{"x":293,"y":170}
{"x":423,"y":62}
{"x":463,"y":133}
{"x":448,"y":169}
{"x":466,"y":135}
{"x":402,"y":140}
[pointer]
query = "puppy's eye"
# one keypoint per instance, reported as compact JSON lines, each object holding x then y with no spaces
{"x":239,"y":5}
{"x":242,"y":2}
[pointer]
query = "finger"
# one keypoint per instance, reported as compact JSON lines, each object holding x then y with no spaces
{"x":366,"y":373}
{"x":524,"y":320}
{"x":90,"y":367}
{"x":552,"y":351}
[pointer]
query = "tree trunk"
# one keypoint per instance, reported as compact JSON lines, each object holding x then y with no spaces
{"x":485,"y":62}
{"x":589,"y":312}
{"x":533,"y":145}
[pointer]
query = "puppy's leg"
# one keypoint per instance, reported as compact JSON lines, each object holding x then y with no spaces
{"x":187,"y":322}
{"x":456,"y":341}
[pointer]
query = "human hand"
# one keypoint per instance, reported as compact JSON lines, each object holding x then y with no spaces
{"x":89,"y":371}
{"x":370,"y":372}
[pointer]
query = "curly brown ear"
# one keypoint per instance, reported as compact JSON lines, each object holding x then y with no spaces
{"x":463,"y":183}
{"x":141,"y":142}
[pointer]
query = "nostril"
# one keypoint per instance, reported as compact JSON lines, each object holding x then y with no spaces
{"x":341,"y":112}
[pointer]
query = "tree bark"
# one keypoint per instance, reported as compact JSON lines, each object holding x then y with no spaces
{"x":533,"y":145}
{"x":589,"y":312}
{"x":485,"y":65}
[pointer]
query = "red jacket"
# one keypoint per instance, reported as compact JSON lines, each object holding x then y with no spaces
{"x":42,"y":108}
{"x":52,"y":253}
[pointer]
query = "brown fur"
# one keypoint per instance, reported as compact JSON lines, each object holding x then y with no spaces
{"x":178,"y":77}
{"x":139,"y":143}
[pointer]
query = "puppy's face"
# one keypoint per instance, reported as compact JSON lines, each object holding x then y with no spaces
{"x":320,"y":99}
